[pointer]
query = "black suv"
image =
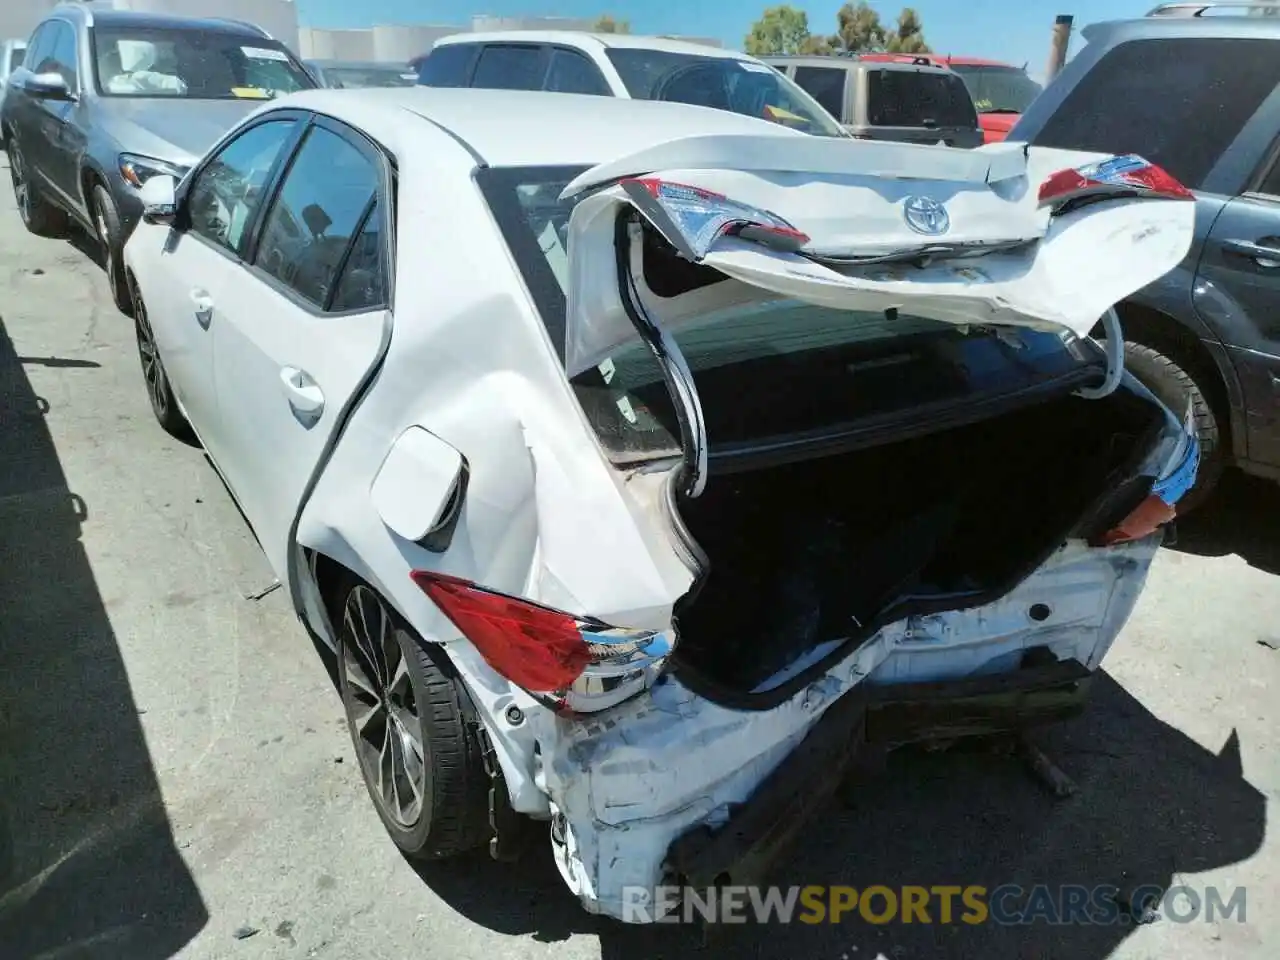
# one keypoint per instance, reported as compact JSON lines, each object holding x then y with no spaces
{"x":107,"y":98}
{"x":1195,"y":88}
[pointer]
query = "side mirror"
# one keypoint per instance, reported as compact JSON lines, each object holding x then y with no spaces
{"x":159,"y":204}
{"x":47,"y":86}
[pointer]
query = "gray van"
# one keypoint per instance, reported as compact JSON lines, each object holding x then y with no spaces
{"x":910,"y":102}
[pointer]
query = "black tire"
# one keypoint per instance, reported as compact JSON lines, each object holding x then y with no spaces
{"x":39,"y":216}
{"x":1174,"y":386}
{"x":110,"y":237}
{"x":453,"y":810}
{"x":163,"y":403}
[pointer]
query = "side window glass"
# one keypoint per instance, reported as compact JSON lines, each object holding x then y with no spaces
{"x":447,"y":66}
{"x":826,"y":85}
{"x":1271,"y":182}
{"x":363,"y":284}
{"x":318,"y":209}
{"x":228,"y":191}
{"x":571,"y":72}
{"x":509,"y":67}
{"x":63,"y":56}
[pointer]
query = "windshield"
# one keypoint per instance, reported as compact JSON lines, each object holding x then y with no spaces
{"x":15,"y":58}
{"x":998,"y":89}
{"x":193,"y":64}
{"x":350,"y":77}
{"x":851,"y":364}
{"x":722,"y":83}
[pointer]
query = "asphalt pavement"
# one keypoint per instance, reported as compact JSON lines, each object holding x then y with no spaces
{"x":176,"y":778}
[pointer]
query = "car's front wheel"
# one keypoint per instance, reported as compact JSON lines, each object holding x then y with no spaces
{"x":413,"y":729}
{"x":38,"y":215}
{"x":159,"y":392}
{"x":110,"y":236}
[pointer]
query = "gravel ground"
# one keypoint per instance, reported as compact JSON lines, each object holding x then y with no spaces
{"x":175,"y":771}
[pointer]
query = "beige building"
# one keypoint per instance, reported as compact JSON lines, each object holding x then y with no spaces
{"x":388,"y":42}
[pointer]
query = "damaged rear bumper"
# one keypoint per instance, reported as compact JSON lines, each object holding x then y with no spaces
{"x":659,"y":784}
{"x":866,"y":721}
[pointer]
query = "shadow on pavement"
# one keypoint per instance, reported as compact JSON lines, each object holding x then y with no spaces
{"x":1151,"y":804}
{"x":1242,"y":517}
{"x":88,"y":866}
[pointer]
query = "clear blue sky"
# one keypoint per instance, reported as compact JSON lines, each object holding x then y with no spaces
{"x":1012,"y":30}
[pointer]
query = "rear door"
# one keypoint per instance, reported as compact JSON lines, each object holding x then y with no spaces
{"x":1240,"y":264}
{"x":918,"y":105}
{"x":304,"y":325}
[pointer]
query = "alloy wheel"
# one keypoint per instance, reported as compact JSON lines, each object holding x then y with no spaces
{"x":382,"y":707}
{"x":152,"y":368}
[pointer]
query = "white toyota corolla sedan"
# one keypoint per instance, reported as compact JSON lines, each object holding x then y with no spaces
{"x":645,"y":464}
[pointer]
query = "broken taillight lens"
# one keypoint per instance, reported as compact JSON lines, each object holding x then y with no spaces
{"x":1127,"y":175}
{"x":693,"y":219}
{"x":565,"y":661}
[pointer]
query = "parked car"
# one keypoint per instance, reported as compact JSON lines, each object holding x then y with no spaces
{"x":338,"y":74}
{"x":108,"y":98}
{"x":912,"y":101}
{"x":1197,"y":100}
{"x":701,"y":471}
{"x":1001,"y":92}
{"x":622,"y":65}
{"x":11,"y":54}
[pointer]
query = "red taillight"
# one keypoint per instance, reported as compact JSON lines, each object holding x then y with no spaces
{"x":538,"y":648}
{"x":693,"y":219}
{"x":1148,"y":517}
{"x":1128,"y":175}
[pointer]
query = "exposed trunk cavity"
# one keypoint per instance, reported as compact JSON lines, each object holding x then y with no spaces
{"x":831,"y":548}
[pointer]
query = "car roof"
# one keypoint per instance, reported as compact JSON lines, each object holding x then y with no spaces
{"x":1214,"y":25}
{"x":511,"y":128}
{"x":113,"y":17}
{"x":392,"y":65}
{"x":836,"y":61}
{"x":586,"y":41}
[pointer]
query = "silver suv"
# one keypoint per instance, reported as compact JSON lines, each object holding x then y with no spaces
{"x":916,"y":102}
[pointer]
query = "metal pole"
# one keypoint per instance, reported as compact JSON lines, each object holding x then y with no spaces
{"x":1058,"y":46}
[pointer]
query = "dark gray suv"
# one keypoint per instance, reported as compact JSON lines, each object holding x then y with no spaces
{"x":108,"y":98}
{"x":1195,"y":88}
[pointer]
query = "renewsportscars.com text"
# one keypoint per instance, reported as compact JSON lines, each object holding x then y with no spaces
{"x":1006,"y":905}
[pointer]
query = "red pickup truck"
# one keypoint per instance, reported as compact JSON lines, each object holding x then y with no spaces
{"x":1000,"y":91}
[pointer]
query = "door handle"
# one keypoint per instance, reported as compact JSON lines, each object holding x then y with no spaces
{"x":1266,"y":257}
{"x":304,"y":394}
{"x":203,"y":304}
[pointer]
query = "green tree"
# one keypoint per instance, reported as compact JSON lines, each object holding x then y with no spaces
{"x":909,"y":36}
{"x":822,"y":46}
{"x":607,"y":24}
{"x":781,"y":29}
{"x":859,"y":29}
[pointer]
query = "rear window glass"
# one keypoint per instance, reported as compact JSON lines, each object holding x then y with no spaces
{"x":722,"y":83}
{"x":911,"y":98}
{"x":1178,"y":102}
{"x":997,"y":89}
{"x":360,"y":77}
{"x":826,"y":85}
{"x":447,"y":66}
{"x":509,"y":68}
{"x":848,"y":365}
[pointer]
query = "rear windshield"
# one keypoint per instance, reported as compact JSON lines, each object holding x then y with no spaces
{"x":349,"y":77}
{"x":914,"y":98}
{"x":997,"y":89}
{"x":722,"y":83}
{"x":839,"y":366}
{"x":193,"y":64}
{"x":15,"y":58}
